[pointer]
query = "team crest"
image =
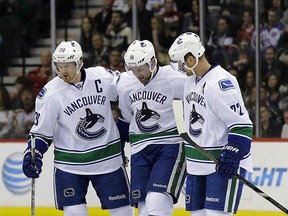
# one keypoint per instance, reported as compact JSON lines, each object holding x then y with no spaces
{"x":42,"y":93}
{"x":147,"y":115}
{"x":87,"y":126}
{"x":196,"y":121}
{"x":226,"y":84}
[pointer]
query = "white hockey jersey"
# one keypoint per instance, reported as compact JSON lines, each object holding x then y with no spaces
{"x":79,"y":120}
{"x":213,"y":110}
{"x":148,"y":108}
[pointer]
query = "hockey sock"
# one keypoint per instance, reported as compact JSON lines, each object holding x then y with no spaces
{"x":122,"y":211}
{"x":76,"y":210}
{"x":210,"y":212}
{"x":142,"y":210}
{"x":160,"y":204}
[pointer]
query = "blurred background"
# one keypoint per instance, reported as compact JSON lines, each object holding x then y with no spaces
{"x":249,"y":38}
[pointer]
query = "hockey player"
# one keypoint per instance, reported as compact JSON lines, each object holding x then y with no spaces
{"x":215,"y":119}
{"x":73,"y":111}
{"x":158,"y":165}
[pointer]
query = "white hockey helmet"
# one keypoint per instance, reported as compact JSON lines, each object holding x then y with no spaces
{"x":68,"y":52}
{"x":188,"y":42}
{"x":140,"y":53}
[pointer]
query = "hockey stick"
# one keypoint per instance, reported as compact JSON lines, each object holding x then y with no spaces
{"x":178,"y":114}
{"x":33,"y":179}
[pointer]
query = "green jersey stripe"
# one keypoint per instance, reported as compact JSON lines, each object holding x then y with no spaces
{"x":139,"y":137}
{"x":193,"y":153}
{"x":180,"y":171}
{"x":245,"y":131}
{"x":84,"y":157}
{"x":232,"y":193}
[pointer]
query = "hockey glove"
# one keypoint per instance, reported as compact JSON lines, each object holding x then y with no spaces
{"x":229,"y":160}
{"x":29,"y":169}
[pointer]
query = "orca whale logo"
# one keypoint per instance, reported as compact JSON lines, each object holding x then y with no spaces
{"x":85,"y":125}
{"x":146,"y":114}
{"x":194,"y":118}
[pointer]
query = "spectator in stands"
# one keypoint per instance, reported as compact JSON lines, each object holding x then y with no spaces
{"x":115,"y":60}
{"x":277,"y":5}
{"x":160,"y":40}
{"x":220,"y":45}
{"x":121,"y":5}
{"x":234,"y":19}
{"x":41,"y":75}
{"x":191,"y":19}
{"x":143,"y":17}
{"x":251,"y":102}
{"x":269,"y":63}
{"x":249,"y":85}
{"x":173,"y":19}
{"x":154,"y":5}
{"x":118,"y":33}
{"x":23,"y":118}
{"x":242,"y":63}
{"x":103,"y":17}
{"x":87,"y":30}
{"x":99,"y":54}
{"x":247,"y":5}
{"x":284,"y":131}
{"x":5,"y":111}
{"x":274,"y":97}
{"x":282,"y":57}
{"x":271,"y":31}
{"x":20,"y":83}
{"x":268,"y":126}
{"x":244,"y":35}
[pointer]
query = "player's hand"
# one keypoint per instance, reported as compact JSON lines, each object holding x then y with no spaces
{"x":229,"y":160}
{"x":30,"y":170}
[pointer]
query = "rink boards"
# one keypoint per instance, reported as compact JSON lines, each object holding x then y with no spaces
{"x":270,"y":175}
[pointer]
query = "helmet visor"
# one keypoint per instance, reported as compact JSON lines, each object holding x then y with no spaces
{"x":176,"y":65}
{"x":137,"y":70}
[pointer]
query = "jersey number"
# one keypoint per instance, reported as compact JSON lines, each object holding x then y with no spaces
{"x":37,"y":115}
{"x":237,"y":108}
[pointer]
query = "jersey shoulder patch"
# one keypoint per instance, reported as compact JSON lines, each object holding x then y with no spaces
{"x":41,"y":93}
{"x":226,"y":84}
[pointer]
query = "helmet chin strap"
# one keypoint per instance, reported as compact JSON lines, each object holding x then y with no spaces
{"x":75,"y":76}
{"x":192,"y":68}
{"x":154,"y":70}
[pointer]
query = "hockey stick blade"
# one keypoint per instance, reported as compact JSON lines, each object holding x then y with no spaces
{"x":179,"y":118}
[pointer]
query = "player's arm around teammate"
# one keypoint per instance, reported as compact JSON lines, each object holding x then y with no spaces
{"x":146,"y":92}
{"x":73,"y":110}
{"x":217,"y":120}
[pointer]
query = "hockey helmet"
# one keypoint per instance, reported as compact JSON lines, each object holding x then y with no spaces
{"x":188,"y":42}
{"x":68,"y":52}
{"x":140,"y":53}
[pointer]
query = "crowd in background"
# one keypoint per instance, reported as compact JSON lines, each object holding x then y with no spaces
{"x":105,"y":36}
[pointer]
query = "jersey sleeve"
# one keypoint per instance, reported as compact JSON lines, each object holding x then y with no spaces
{"x":124,"y":104}
{"x":229,"y":106}
{"x":112,"y":77}
{"x":178,"y":85}
{"x":46,"y":114}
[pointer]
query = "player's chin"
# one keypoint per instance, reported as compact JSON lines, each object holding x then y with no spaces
{"x":142,"y":79}
{"x":66,"y":78}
